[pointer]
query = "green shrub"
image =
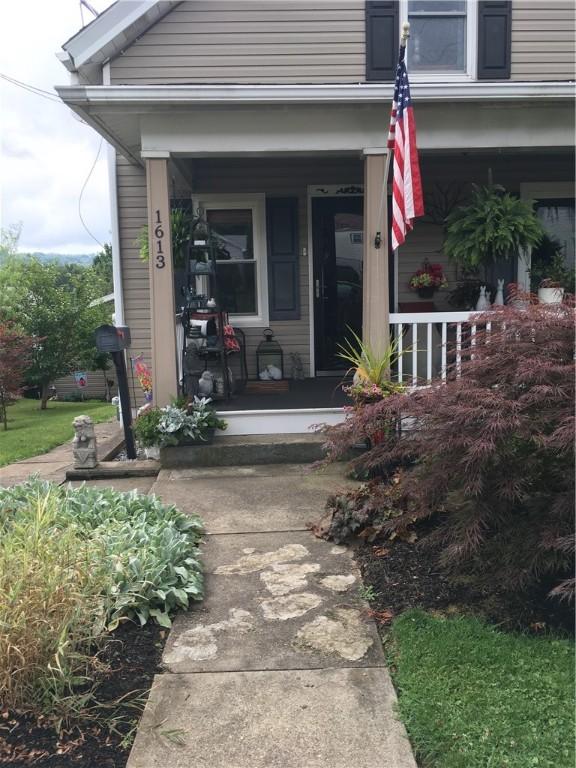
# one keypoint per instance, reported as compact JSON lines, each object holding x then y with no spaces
{"x":74,"y":563}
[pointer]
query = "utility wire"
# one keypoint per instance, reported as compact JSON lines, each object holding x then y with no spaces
{"x":82,"y":193}
{"x":39,"y":92}
{"x":32,"y":88}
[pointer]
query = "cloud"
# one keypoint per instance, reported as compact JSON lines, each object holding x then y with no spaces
{"x":47,"y":152}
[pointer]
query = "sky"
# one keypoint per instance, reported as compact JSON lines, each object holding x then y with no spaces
{"x":46,"y":152}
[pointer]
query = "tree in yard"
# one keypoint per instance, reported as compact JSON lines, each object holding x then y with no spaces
{"x":490,"y":451}
{"x":102,"y":266}
{"x":15,"y":355}
{"x":52,"y":303}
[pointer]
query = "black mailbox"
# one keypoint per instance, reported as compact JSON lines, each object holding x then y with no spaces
{"x":112,"y":338}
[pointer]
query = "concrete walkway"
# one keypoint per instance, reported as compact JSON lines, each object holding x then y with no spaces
{"x":53,"y":465}
{"x":280,"y":667}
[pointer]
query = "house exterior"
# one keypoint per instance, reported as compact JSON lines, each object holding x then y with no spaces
{"x":273,"y":117}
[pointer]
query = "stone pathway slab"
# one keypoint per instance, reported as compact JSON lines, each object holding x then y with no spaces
{"x":242,"y":503}
{"x":275,"y":601}
{"x":329,"y":718}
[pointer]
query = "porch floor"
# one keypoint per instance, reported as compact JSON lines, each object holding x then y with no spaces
{"x":321,"y":392}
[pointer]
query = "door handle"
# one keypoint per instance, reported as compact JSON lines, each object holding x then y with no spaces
{"x":317,"y":289}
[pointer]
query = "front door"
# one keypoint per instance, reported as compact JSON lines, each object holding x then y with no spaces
{"x":337,"y":237}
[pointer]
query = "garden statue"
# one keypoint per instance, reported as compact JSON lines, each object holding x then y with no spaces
{"x":483,"y":300}
{"x":84,"y":443}
{"x":297,"y":367}
{"x":206,"y":383}
{"x":499,"y":300}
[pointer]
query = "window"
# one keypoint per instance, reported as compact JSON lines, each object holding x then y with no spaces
{"x":442,"y":37}
{"x":238,"y":228}
{"x":557,"y":217}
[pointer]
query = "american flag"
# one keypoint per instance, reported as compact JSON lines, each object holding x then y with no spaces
{"x":407,"y":199}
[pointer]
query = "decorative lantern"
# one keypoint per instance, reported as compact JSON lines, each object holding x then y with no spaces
{"x":269,"y":358}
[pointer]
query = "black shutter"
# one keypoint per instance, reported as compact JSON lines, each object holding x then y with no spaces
{"x":382,"y":33}
{"x":283,"y":258}
{"x":494,"y":39}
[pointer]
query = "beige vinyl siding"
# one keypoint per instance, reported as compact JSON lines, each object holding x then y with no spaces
{"x":95,"y":388}
{"x":280,"y":178}
{"x":228,"y":41}
{"x":132,"y":217}
{"x":543,"y":34}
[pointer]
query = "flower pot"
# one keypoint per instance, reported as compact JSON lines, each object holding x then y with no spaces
{"x":426,"y":291}
{"x":550,"y":295}
{"x":207,"y":438}
{"x":152,"y":452}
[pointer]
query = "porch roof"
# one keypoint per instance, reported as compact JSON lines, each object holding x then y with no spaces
{"x":199,"y":120}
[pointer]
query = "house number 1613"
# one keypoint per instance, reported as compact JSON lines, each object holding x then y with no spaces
{"x":158,"y":237}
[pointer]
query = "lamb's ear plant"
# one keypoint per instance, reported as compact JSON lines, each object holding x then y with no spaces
{"x":494,"y":225}
{"x":74,"y":564}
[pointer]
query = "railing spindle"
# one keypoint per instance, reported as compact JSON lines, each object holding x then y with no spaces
{"x":458,"y":349}
{"x":429,"y":352}
{"x":444,"y":349}
{"x":414,"y":354}
{"x":400,"y":332}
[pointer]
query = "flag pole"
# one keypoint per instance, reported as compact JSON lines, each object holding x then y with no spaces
{"x":378,"y":237}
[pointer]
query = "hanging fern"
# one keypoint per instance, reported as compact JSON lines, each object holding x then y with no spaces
{"x":496,"y":225}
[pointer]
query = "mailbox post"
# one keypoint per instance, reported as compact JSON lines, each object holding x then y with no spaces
{"x":114,"y":340}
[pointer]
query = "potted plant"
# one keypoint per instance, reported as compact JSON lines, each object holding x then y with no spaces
{"x":147,"y":432}
{"x":371,"y":371}
{"x":428,"y":280}
{"x":195,"y":424}
{"x":493,"y":226}
{"x":549,"y":276}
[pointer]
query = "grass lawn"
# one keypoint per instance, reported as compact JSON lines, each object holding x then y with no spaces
{"x":32,"y":431}
{"x":472,"y":696}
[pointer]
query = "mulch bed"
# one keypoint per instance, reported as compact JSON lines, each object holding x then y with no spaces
{"x":133,"y":659}
{"x":406,"y":575}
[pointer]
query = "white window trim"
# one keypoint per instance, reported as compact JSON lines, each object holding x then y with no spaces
{"x":257,"y":204}
{"x":471,"y":49}
{"x":539,"y":190}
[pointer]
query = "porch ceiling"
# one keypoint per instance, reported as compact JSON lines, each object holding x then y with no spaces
{"x":180,"y":120}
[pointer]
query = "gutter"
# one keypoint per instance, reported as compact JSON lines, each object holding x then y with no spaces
{"x":115,"y":224}
{"x":368,"y":93}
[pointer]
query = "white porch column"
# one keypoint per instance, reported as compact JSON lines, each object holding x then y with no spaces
{"x":162,"y":313}
{"x":375,"y":308}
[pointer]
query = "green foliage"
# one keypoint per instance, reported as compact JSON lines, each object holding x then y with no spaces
{"x":146,"y":427}
{"x":51,"y":302}
{"x":74,"y":563}
{"x":495,"y":225}
{"x":172,"y":425}
{"x":181,"y":224}
{"x":371,"y":370}
{"x":32,"y":432}
{"x":548,"y":264}
{"x":472,"y":696}
{"x":102,"y":266}
{"x":9,"y":237}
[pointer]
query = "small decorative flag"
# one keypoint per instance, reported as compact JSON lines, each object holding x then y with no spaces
{"x":407,"y":199}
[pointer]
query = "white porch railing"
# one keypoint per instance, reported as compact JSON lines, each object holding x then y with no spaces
{"x":423,"y":342}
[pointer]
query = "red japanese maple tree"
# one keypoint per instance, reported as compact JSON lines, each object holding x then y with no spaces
{"x":491,"y":450}
{"x":15,"y":353}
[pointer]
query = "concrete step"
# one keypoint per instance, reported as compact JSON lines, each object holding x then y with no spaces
{"x":243,"y":450}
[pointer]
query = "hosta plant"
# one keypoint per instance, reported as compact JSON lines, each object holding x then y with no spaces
{"x":492,"y":449}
